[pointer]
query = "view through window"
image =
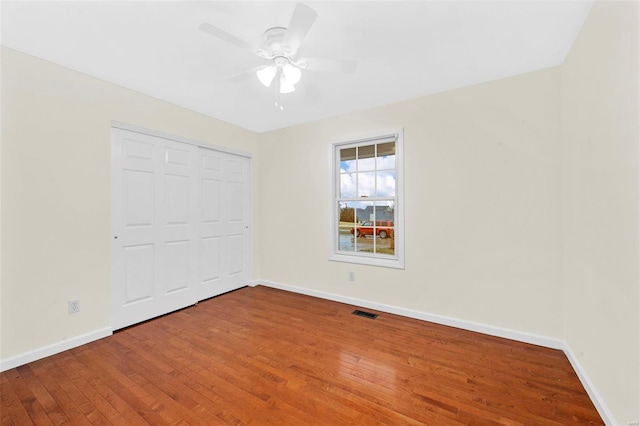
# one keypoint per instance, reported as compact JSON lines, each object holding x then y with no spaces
{"x":367,"y":197}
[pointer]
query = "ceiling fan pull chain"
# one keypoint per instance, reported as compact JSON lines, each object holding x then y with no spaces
{"x":277,"y":90}
{"x":278,"y":94}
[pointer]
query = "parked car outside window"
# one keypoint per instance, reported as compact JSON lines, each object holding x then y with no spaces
{"x":382,"y":228}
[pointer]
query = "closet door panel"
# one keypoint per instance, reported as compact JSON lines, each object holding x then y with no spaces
{"x":154,"y":225}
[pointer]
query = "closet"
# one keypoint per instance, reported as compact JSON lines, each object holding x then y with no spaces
{"x":180,"y":223}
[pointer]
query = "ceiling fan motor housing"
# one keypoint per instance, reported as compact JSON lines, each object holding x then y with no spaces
{"x":281,"y":55}
{"x":273,"y":40}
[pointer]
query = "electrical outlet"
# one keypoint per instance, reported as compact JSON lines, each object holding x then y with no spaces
{"x":74,"y":306}
{"x":352,"y":276}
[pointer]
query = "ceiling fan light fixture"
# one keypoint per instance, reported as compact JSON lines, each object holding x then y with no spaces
{"x":266,"y":75}
{"x":291,"y":74}
{"x":285,"y":86}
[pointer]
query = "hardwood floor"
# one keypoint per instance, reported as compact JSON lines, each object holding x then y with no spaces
{"x":264,"y":356}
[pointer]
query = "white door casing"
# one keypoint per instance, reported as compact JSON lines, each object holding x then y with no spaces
{"x":164,"y":254}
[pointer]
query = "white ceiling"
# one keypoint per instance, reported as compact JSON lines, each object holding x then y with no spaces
{"x":403,"y":50}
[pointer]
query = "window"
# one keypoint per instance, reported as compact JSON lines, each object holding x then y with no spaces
{"x":367,"y":191}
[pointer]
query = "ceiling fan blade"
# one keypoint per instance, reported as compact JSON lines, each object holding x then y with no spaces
{"x":301,"y":21}
{"x":230,"y":38}
{"x":245,"y":75}
{"x":316,"y":64}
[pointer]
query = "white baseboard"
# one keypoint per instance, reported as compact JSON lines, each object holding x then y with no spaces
{"x":424,"y":316}
{"x":519,"y":336}
{"x":27,"y":357}
{"x":593,"y":393}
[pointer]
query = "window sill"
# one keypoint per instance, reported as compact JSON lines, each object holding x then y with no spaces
{"x":365,"y":260}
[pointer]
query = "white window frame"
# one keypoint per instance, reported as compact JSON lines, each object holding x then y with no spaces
{"x":373,"y":259}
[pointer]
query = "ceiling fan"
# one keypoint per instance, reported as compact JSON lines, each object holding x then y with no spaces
{"x":281,"y":47}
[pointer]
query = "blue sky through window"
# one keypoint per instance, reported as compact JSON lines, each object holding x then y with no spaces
{"x":385,"y":177}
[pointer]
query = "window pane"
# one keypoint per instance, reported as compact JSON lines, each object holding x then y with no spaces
{"x":386,"y":241}
{"x":347,"y":160}
{"x":364,"y":211}
{"x":385,"y":210}
{"x":347,"y":154}
{"x":386,"y":163}
{"x":348,"y":185}
{"x":347,"y":222}
{"x":366,"y":184}
{"x":385,"y":229}
{"x":347,"y":214}
{"x":385,"y":149}
{"x":366,"y":158}
{"x":386,"y":184}
{"x":364,"y":231}
{"x":345,"y":238}
{"x":353,"y":216}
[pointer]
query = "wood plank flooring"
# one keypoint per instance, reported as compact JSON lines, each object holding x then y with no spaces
{"x":267,"y":357}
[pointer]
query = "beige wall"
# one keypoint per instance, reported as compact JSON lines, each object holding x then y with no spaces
{"x":1,"y":138}
{"x":600,"y":204}
{"x":56,"y":167}
{"x":1,"y":184}
{"x":482,"y":205}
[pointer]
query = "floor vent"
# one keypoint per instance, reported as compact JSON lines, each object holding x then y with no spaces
{"x":365,"y":314}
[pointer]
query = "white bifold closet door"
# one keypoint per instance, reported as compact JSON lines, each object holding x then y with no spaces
{"x":180,"y":216}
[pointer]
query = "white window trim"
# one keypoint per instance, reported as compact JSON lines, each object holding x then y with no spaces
{"x":359,"y":258}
